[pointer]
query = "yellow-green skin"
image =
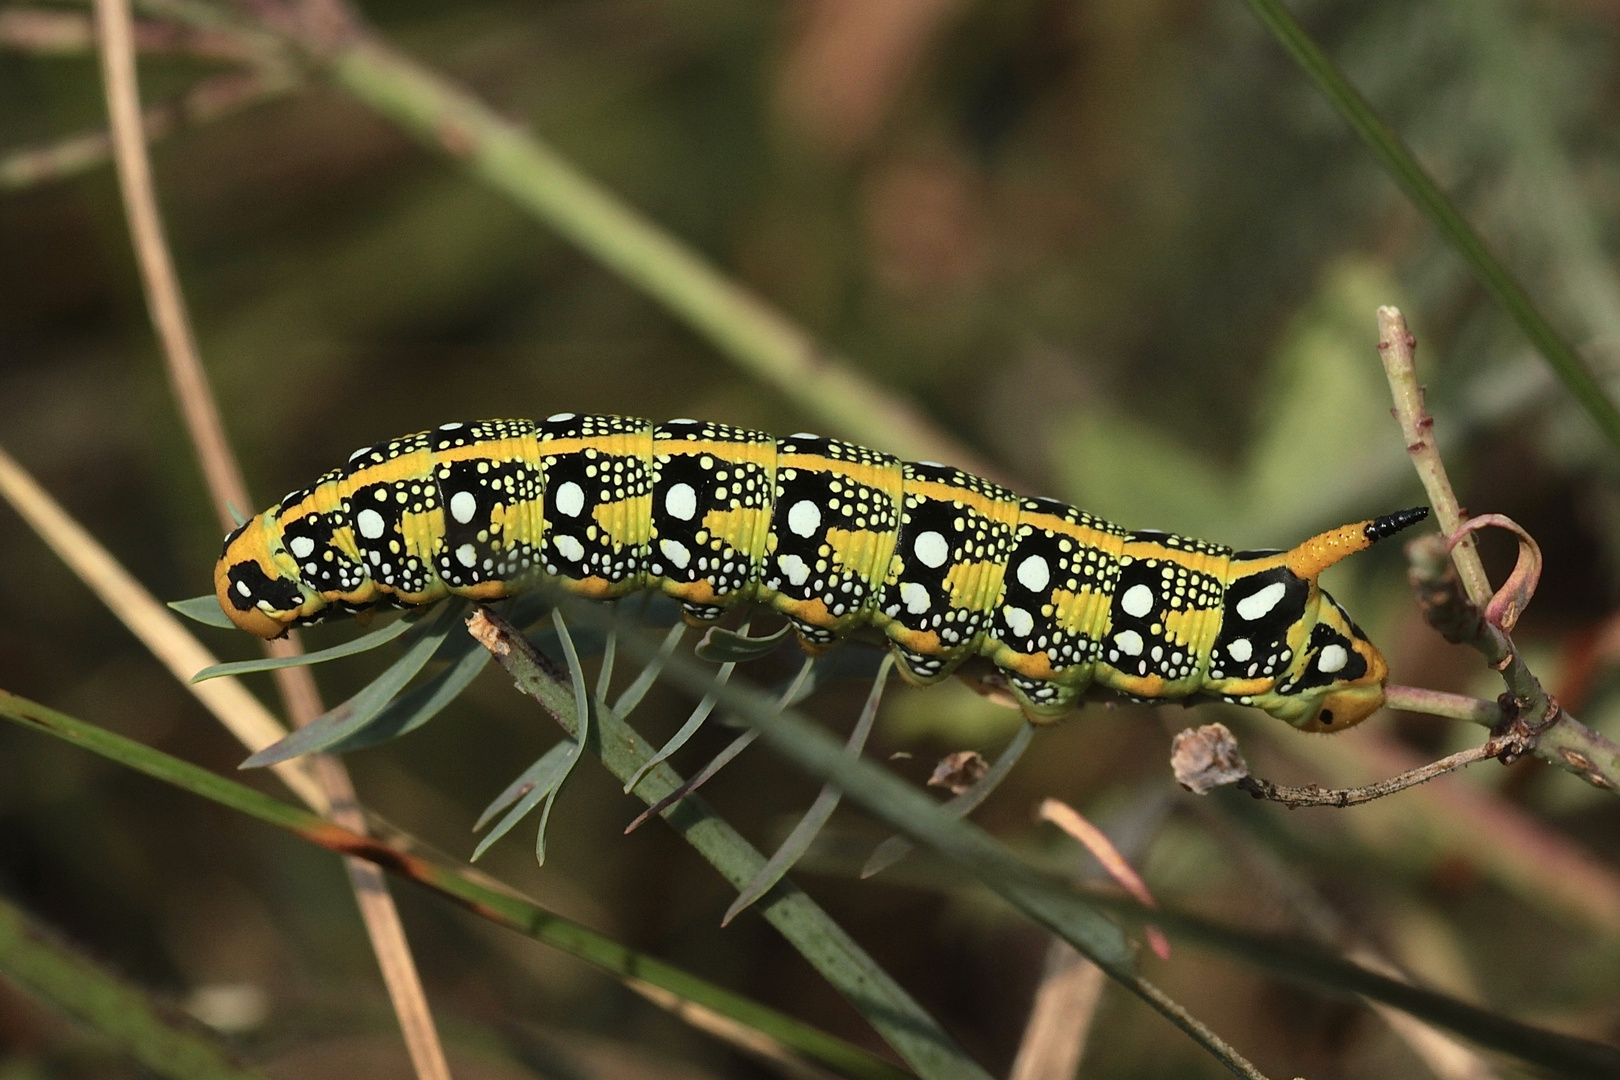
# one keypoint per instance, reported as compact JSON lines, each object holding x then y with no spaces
{"x":832,"y":535}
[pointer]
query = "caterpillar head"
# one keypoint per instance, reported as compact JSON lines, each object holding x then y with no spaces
{"x":1287,"y":647}
{"x":257,"y":581}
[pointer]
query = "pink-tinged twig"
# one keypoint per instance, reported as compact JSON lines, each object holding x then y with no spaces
{"x":1103,"y":850}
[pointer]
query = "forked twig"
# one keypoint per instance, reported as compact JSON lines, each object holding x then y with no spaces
{"x":1457,"y":600}
{"x":166,"y":302}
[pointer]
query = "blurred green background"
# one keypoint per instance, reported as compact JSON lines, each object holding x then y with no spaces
{"x":1121,"y":248}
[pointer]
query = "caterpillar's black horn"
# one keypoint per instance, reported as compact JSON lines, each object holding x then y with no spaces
{"x":1390,"y":524}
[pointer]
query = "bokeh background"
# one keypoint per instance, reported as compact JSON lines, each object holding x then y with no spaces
{"x":1120,"y":248}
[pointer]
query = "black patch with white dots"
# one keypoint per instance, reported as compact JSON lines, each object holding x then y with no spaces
{"x":1259,"y":609}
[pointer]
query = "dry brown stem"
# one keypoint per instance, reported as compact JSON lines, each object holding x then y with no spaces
{"x":56,"y":33}
{"x":166,"y":302}
{"x":209,"y":100}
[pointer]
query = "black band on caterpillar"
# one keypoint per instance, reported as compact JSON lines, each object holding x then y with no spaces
{"x":833,"y":536}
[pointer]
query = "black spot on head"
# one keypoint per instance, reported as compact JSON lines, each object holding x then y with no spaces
{"x":282,"y":593}
{"x":1326,"y":717}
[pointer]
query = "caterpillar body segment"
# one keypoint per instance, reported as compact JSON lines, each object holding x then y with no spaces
{"x":833,"y":536}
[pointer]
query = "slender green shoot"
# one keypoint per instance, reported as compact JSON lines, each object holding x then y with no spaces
{"x":1396,"y":157}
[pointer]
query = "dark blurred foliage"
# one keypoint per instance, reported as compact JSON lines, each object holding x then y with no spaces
{"x":1118,"y":245}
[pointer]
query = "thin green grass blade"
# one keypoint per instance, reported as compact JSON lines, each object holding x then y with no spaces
{"x":534,"y":784}
{"x":166,"y":1043}
{"x":804,"y":833}
{"x":897,"y":847}
{"x":693,"y":722}
{"x":1393,"y":153}
{"x":364,"y":643}
{"x":643,"y":682}
{"x":353,"y":715}
{"x":498,"y":905}
{"x":411,"y":710}
{"x":726,"y":646}
{"x":203,"y":609}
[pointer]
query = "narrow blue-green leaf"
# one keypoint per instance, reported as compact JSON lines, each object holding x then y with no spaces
{"x":804,"y":833}
{"x":1396,"y":157}
{"x":582,"y":722}
{"x":727,"y":646}
{"x":534,"y":784}
{"x":203,"y":609}
{"x":643,"y":682}
{"x":353,"y":715}
{"x":798,"y":689}
{"x":364,"y":643}
{"x":693,"y":722}
{"x":411,"y":710}
{"x":897,"y":846}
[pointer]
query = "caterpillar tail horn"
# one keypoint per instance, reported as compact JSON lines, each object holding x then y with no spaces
{"x":1323,"y":550}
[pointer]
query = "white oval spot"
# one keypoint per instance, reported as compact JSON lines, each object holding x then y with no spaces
{"x":931,"y":549}
{"x":1333,"y":658}
{"x":370,"y":523}
{"x":466,"y":555}
{"x":1137,"y":601}
{"x":452,"y":426}
{"x":1260,"y":604}
{"x":680,"y":501}
{"x":795,"y":568}
{"x":569,"y":547}
{"x":242,"y":587}
{"x":1240,"y":650}
{"x":570,"y":499}
{"x":803,"y":435}
{"x":301,"y":547}
{"x":804,"y":518}
{"x":1129,"y":642}
{"x":682,"y":420}
{"x":915,"y":597}
{"x":557,"y":418}
{"x":675,"y":552}
{"x":463,"y":505}
{"x":1034,"y":574}
{"x":1019,"y":621}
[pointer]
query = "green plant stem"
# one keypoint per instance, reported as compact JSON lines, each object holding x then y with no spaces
{"x":160,"y":1038}
{"x":496,"y":904}
{"x":1393,"y":153}
{"x":915,"y":1035}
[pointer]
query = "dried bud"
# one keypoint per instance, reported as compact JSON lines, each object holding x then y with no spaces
{"x":1205,"y":758}
{"x":959,"y":771}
